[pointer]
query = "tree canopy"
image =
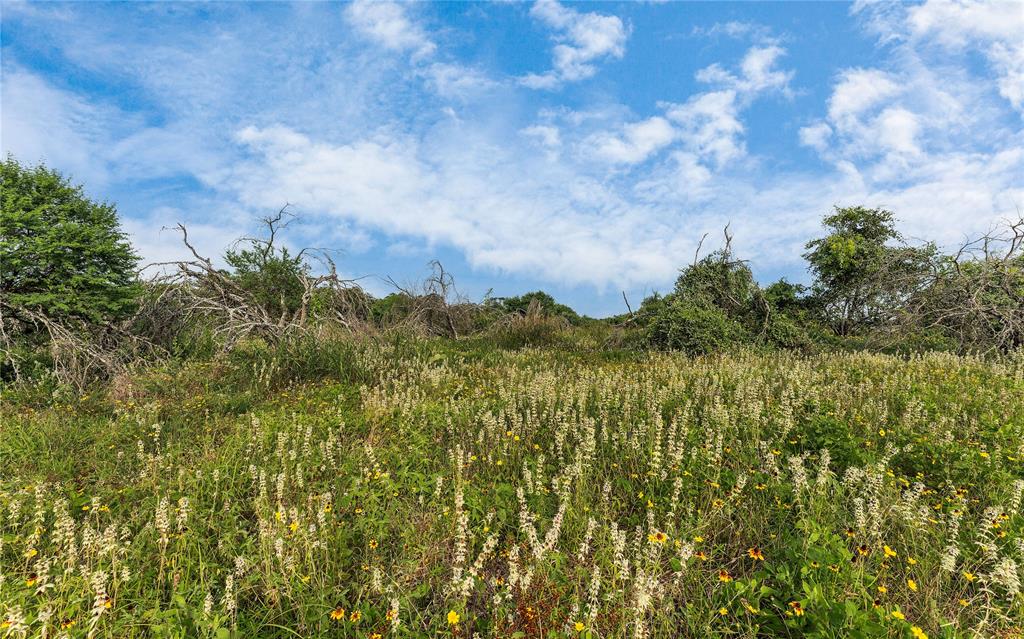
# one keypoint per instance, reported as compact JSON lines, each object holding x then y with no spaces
{"x":61,"y":253}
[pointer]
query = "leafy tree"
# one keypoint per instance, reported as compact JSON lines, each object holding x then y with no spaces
{"x":61,"y":253}
{"x":857,"y":271}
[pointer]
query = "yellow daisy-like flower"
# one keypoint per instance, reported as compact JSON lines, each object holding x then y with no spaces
{"x":579,"y":626}
{"x":355,"y":616}
{"x":453,"y":617}
{"x":724,"y":576}
{"x":755,"y":553}
{"x":798,"y":610}
{"x":657,"y":537}
{"x":918,"y":633}
{"x":723,"y":611}
{"x":896,"y":614}
{"x":912,"y":585}
{"x":969,"y":576}
{"x":391,"y":614}
{"x":889,"y":552}
{"x":373,"y":544}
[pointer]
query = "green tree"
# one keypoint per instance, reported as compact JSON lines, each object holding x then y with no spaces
{"x":61,"y":253}
{"x":857,"y":272}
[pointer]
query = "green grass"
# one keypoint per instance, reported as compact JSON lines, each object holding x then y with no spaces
{"x":527,"y":493}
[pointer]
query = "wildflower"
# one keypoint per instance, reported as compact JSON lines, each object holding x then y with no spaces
{"x":376,"y":635}
{"x":963,"y":602}
{"x":851,"y":533}
{"x":657,"y":537}
{"x":391,"y":614}
{"x":579,"y":626}
{"x":797,"y":608}
{"x":373,"y":544}
{"x":911,"y":561}
{"x":723,"y":611}
{"x":453,"y":617}
{"x":896,"y":614}
{"x":724,"y":576}
{"x":970,"y":576}
{"x":918,"y":633}
{"x":355,"y":616}
{"x":889,"y":552}
{"x":863,"y":550}
{"x":883,"y":589}
{"x":67,"y":623}
{"x":701,"y":555}
{"x":755,"y":553}
{"x":912,"y":585}
{"x":698,"y":539}
{"x":31,"y":552}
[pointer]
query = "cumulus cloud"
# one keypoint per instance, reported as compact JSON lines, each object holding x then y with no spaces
{"x":387,"y":24}
{"x":582,"y":39}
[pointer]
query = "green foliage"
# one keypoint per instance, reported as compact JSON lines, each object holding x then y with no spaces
{"x":716,"y":305}
{"x":696,"y":329}
{"x":541,"y":302}
{"x":861,"y":277}
{"x":62,"y":254}
{"x":255,"y":495}
{"x":270,"y":274}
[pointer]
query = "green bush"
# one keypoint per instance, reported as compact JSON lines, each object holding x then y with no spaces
{"x":694,"y":329}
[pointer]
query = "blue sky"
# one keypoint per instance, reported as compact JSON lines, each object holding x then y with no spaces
{"x":583,"y":149}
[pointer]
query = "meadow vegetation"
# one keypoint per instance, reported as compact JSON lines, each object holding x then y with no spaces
{"x":256,"y":447}
{"x":431,"y":488}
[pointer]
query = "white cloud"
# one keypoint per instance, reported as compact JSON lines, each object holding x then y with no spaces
{"x":546,"y":135}
{"x":710,"y":122}
{"x":816,"y":136}
{"x":637,"y":142}
{"x":582,"y":39}
{"x":995,"y":29}
{"x":737,"y":29}
{"x":43,"y":123}
{"x":387,"y":24}
{"x":857,"y":91}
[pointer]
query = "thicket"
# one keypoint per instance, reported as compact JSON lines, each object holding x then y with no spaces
{"x":75,"y":306}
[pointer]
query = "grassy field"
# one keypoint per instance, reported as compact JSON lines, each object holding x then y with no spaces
{"x":435,"y":489}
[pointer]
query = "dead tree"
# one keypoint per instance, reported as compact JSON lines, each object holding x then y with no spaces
{"x":233,"y":310}
{"x":976,"y":295}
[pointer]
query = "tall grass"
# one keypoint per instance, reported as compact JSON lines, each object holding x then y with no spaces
{"x":403,"y":487}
